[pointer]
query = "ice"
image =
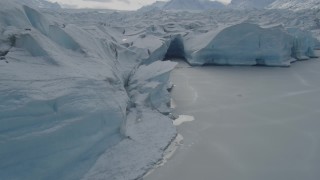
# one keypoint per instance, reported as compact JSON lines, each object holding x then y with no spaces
{"x":36,"y":20}
{"x":248,"y":44}
{"x":304,"y":44}
{"x":250,"y":4}
{"x":132,"y":158}
{"x":34,"y":47}
{"x":295,"y":4}
{"x":65,"y":99}
{"x":184,"y":5}
{"x":58,"y":35}
{"x":84,"y":93}
{"x":182,"y":119}
{"x":192,"y":5}
{"x":146,"y":87}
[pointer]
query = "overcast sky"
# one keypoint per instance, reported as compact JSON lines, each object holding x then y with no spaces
{"x":109,"y":4}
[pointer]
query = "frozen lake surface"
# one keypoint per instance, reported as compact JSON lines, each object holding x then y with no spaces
{"x":251,"y":123}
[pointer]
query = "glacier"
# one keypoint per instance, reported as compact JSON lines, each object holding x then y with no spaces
{"x":84,"y":93}
{"x":295,"y":5}
{"x":250,"y":4}
{"x":249,"y":44}
{"x":67,"y":97}
{"x":184,"y":5}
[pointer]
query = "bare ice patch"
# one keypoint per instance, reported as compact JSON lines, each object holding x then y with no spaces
{"x":182,"y":119}
{"x":168,"y":153}
{"x":172,"y":104}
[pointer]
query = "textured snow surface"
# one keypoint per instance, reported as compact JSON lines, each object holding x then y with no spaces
{"x":192,"y":5}
{"x":250,"y":4}
{"x":248,"y":44}
{"x":275,"y":4}
{"x":295,"y":4}
{"x":83,"y":93}
{"x":66,"y":94}
{"x":183,"y":5}
{"x":233,"y":37}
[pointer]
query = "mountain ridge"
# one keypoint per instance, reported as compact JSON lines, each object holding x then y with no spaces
{"x":40,"y":4}
{"x":185,"y":5}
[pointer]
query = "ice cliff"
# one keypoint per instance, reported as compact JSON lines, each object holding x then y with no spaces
{"x":69,"y":96}
{"x":249,"y":44}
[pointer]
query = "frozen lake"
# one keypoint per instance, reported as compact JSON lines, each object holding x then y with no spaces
{"x":251,"y":123}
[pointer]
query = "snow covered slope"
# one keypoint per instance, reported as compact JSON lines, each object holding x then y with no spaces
{"x":184,"y":5}
{"x":295,"y":4}
{"x":213,"y":5}
{"x":41,"y":4}
{"x":250,"y":4}
{"x":158,"y":5}
{"x":275,"y":4}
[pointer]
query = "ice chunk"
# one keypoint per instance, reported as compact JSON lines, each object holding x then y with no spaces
{"x":304,"y":44}
{"x":148,"y":85}
{"x":249,"y":44}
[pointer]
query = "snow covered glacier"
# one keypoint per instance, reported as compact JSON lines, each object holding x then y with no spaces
{"x":67,"y":99}
{"x":86,"y":97}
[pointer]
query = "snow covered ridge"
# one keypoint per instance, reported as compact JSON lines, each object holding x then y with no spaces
{"x":41,"y":4}
{"x":184,"y":5}
{"x":275,"y":4}
{"x":86,"y":97}
{"x":295,"y":4}
{"x":201,"y":5}
{"x":250,"y":4}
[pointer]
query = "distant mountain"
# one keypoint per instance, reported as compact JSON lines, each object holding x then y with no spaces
{"x":295,"y":4}
{"x":185,"y":5}
{"x":40,"y":4}
{"x":213,"y":5}
{"x":158,"y":5}
{"x":197,"y":5}
{"x":250,"y":4}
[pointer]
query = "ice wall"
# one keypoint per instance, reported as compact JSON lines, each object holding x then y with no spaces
{"x":246,"y":44}
{"x":249,"y":44}
{"x":65,"y":100}
{"x":303,"y":45}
